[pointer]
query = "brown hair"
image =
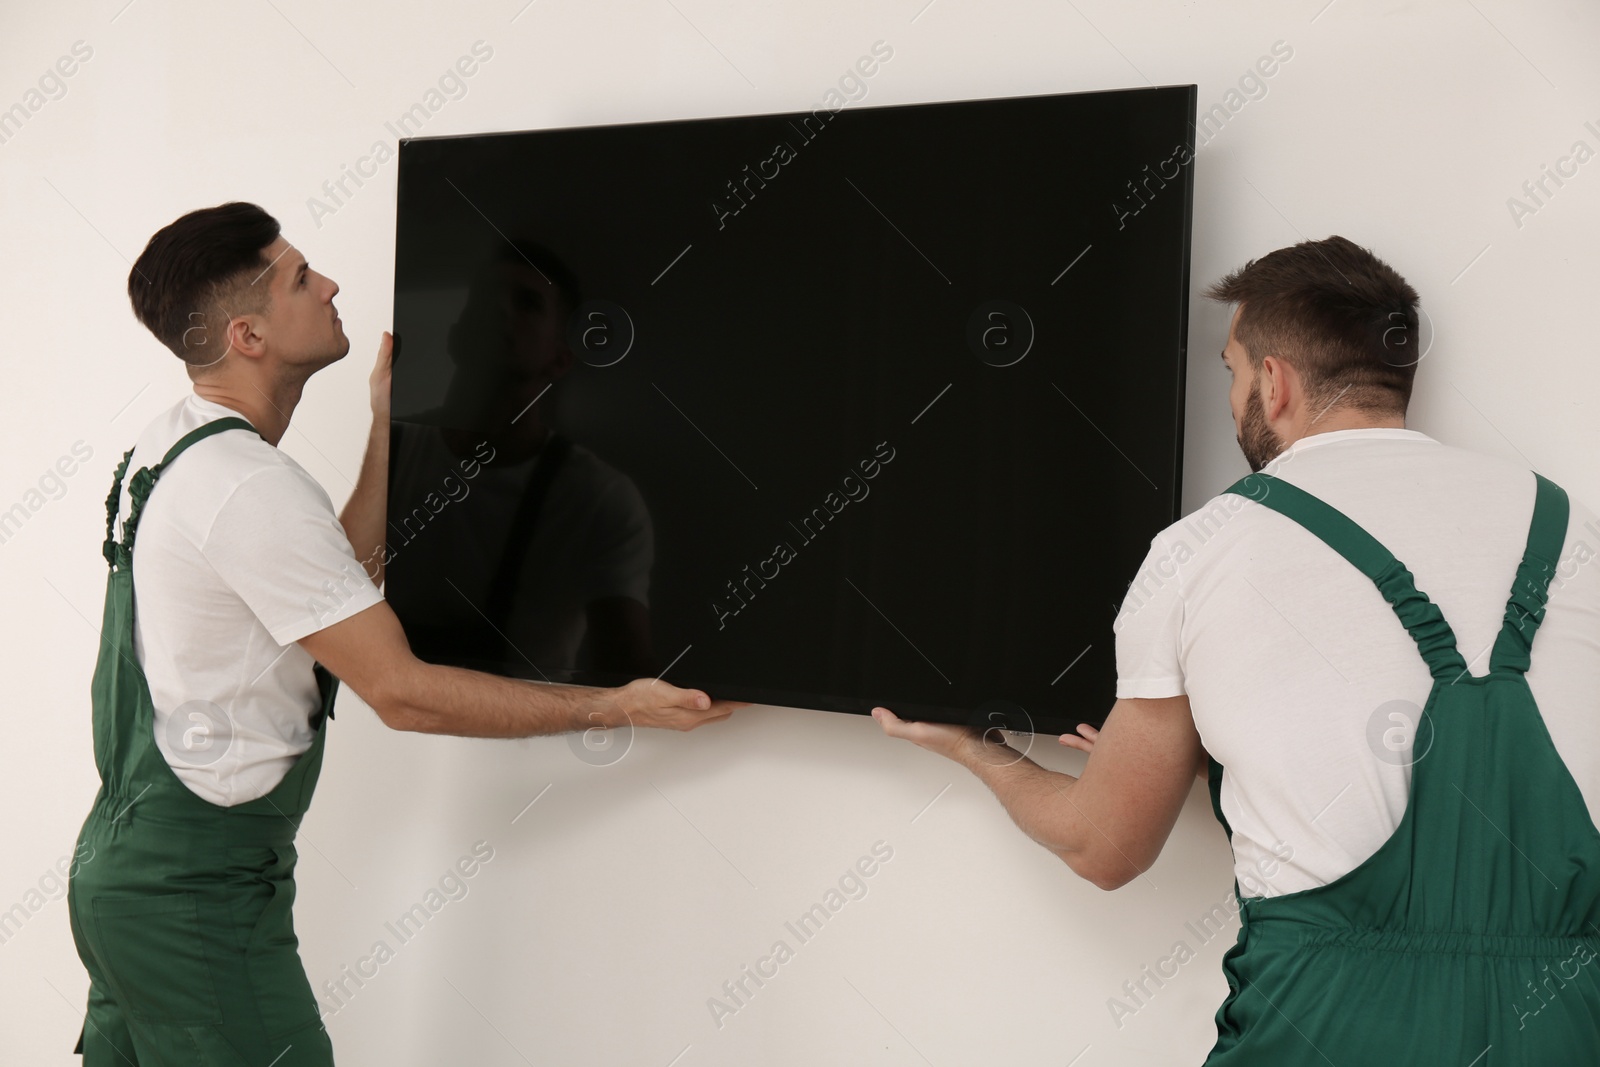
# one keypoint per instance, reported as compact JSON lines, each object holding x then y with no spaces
{"x":1343,"y":318}
{"x":198,"y":272}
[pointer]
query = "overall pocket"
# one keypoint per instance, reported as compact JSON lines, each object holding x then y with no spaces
{"x":152,"y":951}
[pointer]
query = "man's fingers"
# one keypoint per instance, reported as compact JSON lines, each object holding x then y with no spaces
{"x":1084,"y":743}
{"x":719,"y":710}
{"x":380,"y":380}
{"x":651,"y":702}
{"x":381,"y":365}
{"x":668,"y":695}
{"x":893,"y":725}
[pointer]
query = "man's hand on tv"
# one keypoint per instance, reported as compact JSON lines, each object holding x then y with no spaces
{"x":964,"y":744}
{"x":652,"y":703}
{"x":1083,"y":740}
{"x":381,"y":376}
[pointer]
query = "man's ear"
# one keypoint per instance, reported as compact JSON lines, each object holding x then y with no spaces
{"x":246,"y":335}
{"x":1275,"y":391}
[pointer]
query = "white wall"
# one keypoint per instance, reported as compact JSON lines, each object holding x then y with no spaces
{"x":620,"y":901}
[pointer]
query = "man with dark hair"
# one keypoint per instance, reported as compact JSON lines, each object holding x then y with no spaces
{"x":210,"y":707}
{"x":1410,"y":791}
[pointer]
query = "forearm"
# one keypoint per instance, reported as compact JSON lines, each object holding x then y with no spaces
{"x":1108,"y":825}
{"x":1037,"y":800}
{"x":1040,"y":802}
{"x":436,"y":699}
{"x":366,"y":512}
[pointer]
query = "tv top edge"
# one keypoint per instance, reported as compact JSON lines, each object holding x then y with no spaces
{"x":1190,"y":89}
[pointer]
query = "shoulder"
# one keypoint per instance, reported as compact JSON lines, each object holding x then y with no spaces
{"x":1221,"y":519}
{"x":238,"y":471}
{"x":242,"y":455}
{"x":224,"y":458}
{"x":205,"y":474}
{"x":1582,"y":524}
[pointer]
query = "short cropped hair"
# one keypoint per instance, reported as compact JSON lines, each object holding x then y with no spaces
{"x":200,"y":271}
{"x":1344,"y":319}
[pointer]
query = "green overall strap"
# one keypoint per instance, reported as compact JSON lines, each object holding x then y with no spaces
{"x":1525,"y":610}
{"x":109,"y":549}
{"x":143,"y":481}
{"x":1419,"y":615}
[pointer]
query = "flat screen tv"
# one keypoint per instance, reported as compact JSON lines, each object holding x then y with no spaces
{"x":828,"y":409}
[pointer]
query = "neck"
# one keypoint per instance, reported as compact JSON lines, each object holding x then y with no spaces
{"x":1348,"y":420}
{"x":268,"y":410}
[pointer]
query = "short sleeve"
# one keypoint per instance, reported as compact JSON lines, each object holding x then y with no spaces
{"x":623,"y":544}
{"x":1148,"y":629}
{"x":278,"y":544}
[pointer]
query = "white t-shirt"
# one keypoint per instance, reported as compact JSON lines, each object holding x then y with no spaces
{"x":1294,"y":664}
{"x":238,"y":555}
{"x":593,"y":540}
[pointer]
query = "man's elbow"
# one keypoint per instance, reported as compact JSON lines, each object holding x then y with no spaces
{"x":396,"y":714}
{"x":1114,"y":881}
{"x":369,"y":654}
{"x":1102,"y":870}
{"x":388,"y":697}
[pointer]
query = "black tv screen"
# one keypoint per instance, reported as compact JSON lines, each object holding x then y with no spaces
{"x":826,"y":410}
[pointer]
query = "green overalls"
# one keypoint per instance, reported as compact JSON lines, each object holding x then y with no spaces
{"x":1470,"y":937}
{"x":181,"y":912}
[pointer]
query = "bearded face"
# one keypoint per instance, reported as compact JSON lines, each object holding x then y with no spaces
{"x":1256,"y":439}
